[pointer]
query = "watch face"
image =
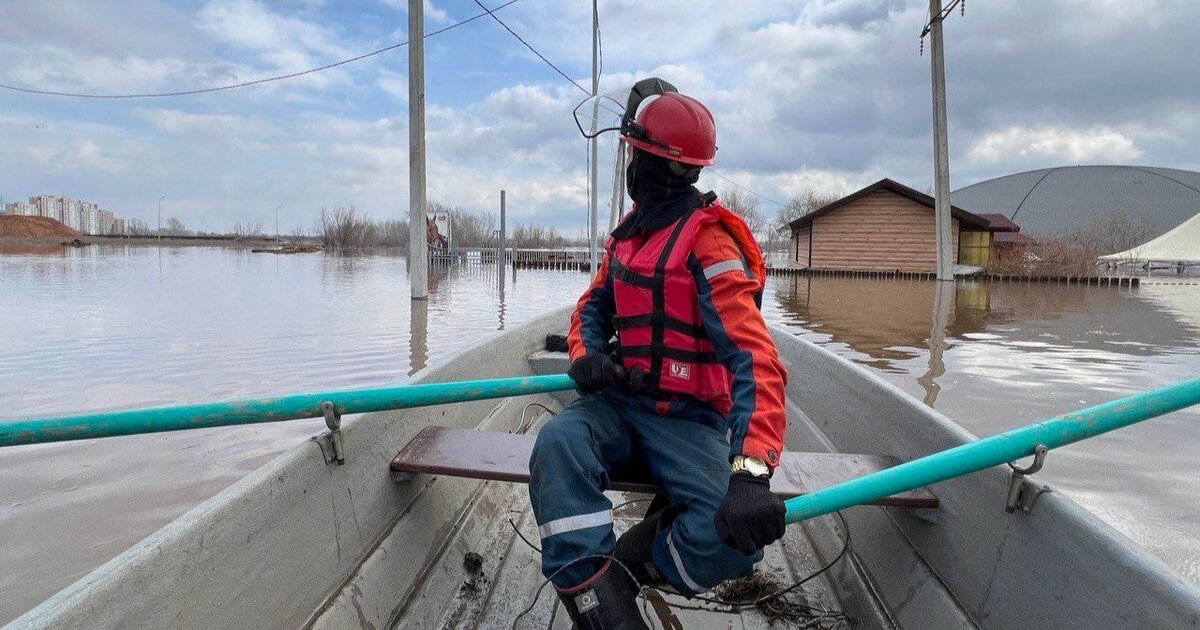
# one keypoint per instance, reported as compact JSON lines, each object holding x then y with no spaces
{"x":750,"y":465}
{"x":758,"y":468}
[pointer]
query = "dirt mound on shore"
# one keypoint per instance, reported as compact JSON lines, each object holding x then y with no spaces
{"x":33,"y":227}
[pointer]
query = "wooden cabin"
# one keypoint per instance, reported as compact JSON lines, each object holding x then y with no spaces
{"x":886,"y":226}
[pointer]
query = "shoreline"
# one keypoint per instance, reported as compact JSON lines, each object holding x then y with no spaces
{"x":148,"y":241}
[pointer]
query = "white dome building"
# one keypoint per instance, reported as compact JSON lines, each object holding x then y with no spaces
{"x":1057,"y":200}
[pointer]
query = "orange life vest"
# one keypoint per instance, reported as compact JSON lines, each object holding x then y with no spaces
{"x":661,"y":339}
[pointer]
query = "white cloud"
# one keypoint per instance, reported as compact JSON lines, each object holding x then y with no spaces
{"x":1054,"y":145}
{"x":82,"y":154}
{"x":174,"y":121}
{"x":283,"y":43}
{"x":824,"y":94}
{"x":52,"y":67}
{"x":393,"y":84}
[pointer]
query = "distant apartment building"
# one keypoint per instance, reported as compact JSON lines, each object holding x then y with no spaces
{"x":82,"y":216}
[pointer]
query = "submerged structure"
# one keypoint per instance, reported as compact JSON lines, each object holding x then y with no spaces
{"x":887,"y":226}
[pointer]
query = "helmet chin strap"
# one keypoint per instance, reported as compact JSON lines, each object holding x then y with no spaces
{"x":685,"y":170}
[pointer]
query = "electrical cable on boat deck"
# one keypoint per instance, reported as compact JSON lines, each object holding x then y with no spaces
{"x":734,"y":606}
{"x":523,"y":427}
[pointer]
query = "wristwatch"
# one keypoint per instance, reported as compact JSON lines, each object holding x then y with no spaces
{"x":752,"y":465}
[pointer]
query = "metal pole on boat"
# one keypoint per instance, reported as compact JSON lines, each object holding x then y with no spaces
{"x":258,"y":410}
{"x":941,"y":147}
{"x":418,"y":255}
{"x":593,"y":153}
{"x":996,"y":450}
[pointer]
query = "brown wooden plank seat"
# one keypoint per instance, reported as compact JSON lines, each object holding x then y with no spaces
{"x":496,"y":456}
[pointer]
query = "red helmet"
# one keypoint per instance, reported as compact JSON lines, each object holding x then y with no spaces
{"x":675,"y":127}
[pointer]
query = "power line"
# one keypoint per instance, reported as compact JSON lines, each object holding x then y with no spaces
{"x":531,"y":48}
{"x":258,"y":81}
{"x":760,"y":196}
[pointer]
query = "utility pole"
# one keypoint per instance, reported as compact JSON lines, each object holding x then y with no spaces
{"x":160,"y":216}
{"x":941,"y":148}
{"x":418,"y":249}
{"x":593,"y":145}
{"x":503,"y":242}
{"x":277,"y":235}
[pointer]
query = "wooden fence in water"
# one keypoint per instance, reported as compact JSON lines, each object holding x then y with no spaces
{"x":1112,"y":281}
{"x":566,"y":259}
{"x":576,"y":259}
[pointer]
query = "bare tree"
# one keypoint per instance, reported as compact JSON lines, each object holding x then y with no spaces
{"x":248,"y":230}
{"x":344,"y":228}
{"x":393,"y":233}
{"x":469,"y":229}
{"x":807,"y":201}
{"x":744,"y":205}
{"x":137,"y":227}
{"x":175,"y":227}
{"x":538,"y":237}
{"x":1112,"y":234}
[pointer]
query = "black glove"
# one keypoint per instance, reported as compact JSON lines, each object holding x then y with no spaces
{"x":750,"y":517}
{"x":593,"y":372}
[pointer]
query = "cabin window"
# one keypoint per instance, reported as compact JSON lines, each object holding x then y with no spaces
{"x":973,"y":248}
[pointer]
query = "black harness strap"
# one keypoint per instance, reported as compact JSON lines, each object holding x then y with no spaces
{"x":670,"y":323}
{"x":659,"y":305}
{"x":620,"y":272}
{"x":687,"y":356}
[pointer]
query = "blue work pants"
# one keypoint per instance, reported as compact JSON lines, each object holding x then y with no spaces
{"x":599,"y":436}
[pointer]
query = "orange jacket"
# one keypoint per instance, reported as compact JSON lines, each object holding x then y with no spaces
{"x":727,"y":298}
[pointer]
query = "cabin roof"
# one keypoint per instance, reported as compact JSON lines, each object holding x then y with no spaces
{"x":1013,"y":238}
{"x":999,"y":222}
{"x":964,"y":217}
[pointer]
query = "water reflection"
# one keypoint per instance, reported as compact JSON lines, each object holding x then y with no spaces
{"x":890,"y":322}
{"x":943,"y":298}
{"x":995,"y":356}
{"x":107,"y":327}
{"x":418,"y":344}
{"x":500,"y":288}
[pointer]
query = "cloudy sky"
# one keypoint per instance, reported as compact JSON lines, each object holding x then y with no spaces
{"x":822,"y":94}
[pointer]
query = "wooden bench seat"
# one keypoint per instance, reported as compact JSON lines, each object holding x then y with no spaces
{"x":496,"y":456}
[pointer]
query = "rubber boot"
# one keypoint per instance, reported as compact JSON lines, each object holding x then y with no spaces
{"x":635,"y":548}
{"x":608,"y":601}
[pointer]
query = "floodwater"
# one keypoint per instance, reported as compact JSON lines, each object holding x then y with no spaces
{"x":112,"y":327}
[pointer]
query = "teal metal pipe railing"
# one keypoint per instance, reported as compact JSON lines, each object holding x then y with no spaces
{"x":257,"y":410}
{"x":996,"y":450}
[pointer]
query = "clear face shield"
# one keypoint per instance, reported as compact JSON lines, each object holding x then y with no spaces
{"x":616,"y":111}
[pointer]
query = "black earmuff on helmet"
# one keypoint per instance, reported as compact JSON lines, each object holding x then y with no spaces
{"x":641,"y":91}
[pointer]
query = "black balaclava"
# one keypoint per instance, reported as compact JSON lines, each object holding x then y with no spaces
{"x":662,"y":193}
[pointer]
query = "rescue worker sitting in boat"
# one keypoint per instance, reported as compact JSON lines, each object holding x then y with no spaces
{"x":701,"y":405}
